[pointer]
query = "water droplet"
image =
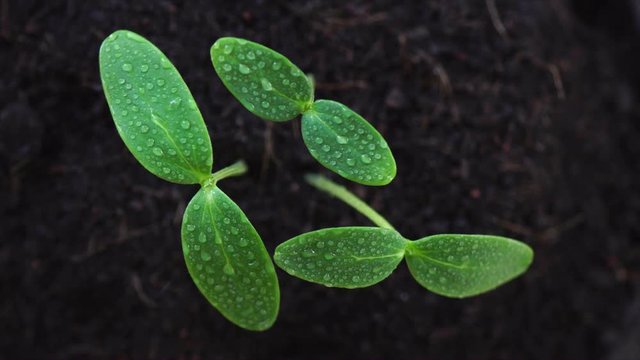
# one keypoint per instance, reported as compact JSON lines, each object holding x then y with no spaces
{"x":166,"y":170}
{"x":337,"y":120}
{"x":328,"y":256}
{"x":243,"y":242}
{"x":251,"y":55}
{"x":218,"y":288}
{"x":244,"y":69}
{"x":185,"y":124}
{"x":144,"y":129}
{"x":165,"y":63}
{"x":144,"y":68}
{"x":157,"y":151}
{"x":326,"y":148}
{"x":121,"y":81}
{"x":276,"y":65}
{"x":226,"y":220}
{"x":227,"y":49}
{"x":266,"y":85}
{"x":227,"y":67}
{"x":160,"y":82}
{"x":191,"y":227}
{"x":319,"y":140}
{"x":150,"y":142}
{"x":228,"y":269}
{"x":308,"y":253}
{"x":127,"y":67}
{"x":351,"y":162}
{"x":265,"y":104}
{"x":205,"y":256}
{"x":175,"y":102}
{"x":202,"y":238}
{"x":341,"y":140}
{"x":365,"y":158}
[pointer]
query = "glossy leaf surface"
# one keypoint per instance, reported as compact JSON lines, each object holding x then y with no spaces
{"x":228,"y":261}
{"x":347,"y":144}
{"x":264,"y":81}
{"x":153,"y":109}
{"x":347,"y":257}
{"x":466,"y":265}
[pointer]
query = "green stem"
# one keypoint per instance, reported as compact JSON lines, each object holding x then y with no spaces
{"x":348,"y":197}
{"x":236,"y":169}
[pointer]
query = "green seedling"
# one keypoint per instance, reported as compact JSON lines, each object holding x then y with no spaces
{"x":273,"y":88}
{"x":161,"y":124}
{"x":451,"y":265}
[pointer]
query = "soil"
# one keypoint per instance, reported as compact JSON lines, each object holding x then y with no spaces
{"x":520,"y":122}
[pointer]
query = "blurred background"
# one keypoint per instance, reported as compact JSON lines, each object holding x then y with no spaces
{"x":515,"y":118}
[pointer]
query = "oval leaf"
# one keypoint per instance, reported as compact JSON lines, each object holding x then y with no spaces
{"x":347,"y":144}
{"x":466,"y":265}
{"x":264,"y":81}
{"x":346,"y":257}
{"x":153,"y":109}
{"x":228,"y":261}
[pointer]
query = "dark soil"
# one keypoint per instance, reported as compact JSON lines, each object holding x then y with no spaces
{"x":528,"y":130}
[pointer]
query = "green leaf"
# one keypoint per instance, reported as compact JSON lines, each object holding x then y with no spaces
{"x":264,"y":81}
{"x":346,"y":257}
{"x":466,"y":265}
{"x":347,"y":144}
{"x":153,"y":109}
{"x":228,"y":261}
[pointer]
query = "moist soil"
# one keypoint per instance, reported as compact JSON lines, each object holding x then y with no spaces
{"x":514,"y":118}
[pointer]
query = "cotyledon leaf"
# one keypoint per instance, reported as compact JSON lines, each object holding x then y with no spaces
{"x":347,"y":144}
{"x":228,"y":261}
{"x":153,"y":109}
{"x":346,"y":257}
{"x":466,"y":265}
{"x":264,"y":81}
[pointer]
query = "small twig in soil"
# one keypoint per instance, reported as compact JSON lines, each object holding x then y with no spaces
{"x":495,"y":19}
{"x":557,"y":80}
{"x":137,"y":286}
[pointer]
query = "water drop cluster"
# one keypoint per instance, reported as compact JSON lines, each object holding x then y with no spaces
{"x":466,"y":265}
{"x":348,"y":257}
{"x":159,"y":123}
{"x":343,"y":141}
{"x":265,"y":82}
{"x":227,"y":260}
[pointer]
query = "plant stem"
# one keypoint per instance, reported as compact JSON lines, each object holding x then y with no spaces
{"x":339,"y":191}
{"x":236,"y":169}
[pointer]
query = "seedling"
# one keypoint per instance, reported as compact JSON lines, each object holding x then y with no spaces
{"x":160,"y":123}
{"x":451,"y":265}
{"x":273,"y":88}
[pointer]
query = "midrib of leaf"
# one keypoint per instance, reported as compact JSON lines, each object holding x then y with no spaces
{"x":217,"y":232}
{"x":301,"y":104}
{"x":199,"y":175}
{"x":394,"y":255}
{"x":420,"y":253}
